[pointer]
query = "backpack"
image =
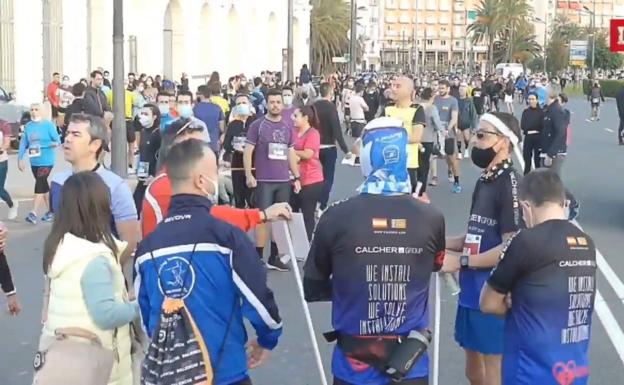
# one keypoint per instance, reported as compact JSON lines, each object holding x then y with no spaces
{"x":177,"y":353}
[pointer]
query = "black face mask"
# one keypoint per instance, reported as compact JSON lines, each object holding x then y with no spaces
{"x":482,"y":157}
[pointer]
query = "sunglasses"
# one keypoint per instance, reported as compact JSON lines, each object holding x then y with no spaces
{"x":481,"y":133}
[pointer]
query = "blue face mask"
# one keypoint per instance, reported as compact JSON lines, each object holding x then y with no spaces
{"x":242,"y":110}
{"x":185,"y":111}
{"x":163,"y":108}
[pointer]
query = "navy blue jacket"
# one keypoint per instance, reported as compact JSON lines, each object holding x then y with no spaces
{"x":216,"y":269}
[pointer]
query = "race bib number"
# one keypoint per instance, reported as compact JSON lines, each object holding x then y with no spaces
{"x":595,"y":100}
{"x":277,"y":151}
{"x":238,"y":142}
{"x":34,"y":152}
{"x":472,"y":244}
{"x":143,"y":170}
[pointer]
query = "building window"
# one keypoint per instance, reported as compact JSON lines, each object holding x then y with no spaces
{"x":405,"y":4}
{"x":432,"y":5}
{"x":405,"y":19}
{"x":444,"y":5}
{"x":429,"y":42}
{"x":443,"y":42}
{"x":391,"y":4}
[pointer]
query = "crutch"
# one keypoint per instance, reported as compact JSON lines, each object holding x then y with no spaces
{"x":435,"y":370}
{"x":306,"y":310}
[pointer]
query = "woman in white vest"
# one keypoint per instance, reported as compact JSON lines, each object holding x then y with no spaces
{"x":87,"y":296}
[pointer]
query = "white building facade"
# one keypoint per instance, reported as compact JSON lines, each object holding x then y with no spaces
{"x":73,"y":37}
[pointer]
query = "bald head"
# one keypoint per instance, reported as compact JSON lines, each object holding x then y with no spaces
{"x":402,"y":90}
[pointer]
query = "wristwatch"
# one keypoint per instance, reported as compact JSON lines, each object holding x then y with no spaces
{"x":463,"y":261}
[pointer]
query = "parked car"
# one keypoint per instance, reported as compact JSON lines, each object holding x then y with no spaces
{"x":15,"y":114}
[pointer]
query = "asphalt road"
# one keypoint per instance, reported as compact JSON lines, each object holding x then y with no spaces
{"x":593,"y":172}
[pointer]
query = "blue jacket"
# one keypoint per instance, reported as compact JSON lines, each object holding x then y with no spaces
{"x":226,"y":281}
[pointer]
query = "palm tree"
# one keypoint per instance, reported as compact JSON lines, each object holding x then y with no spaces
{"x":513,"y":13}
{"x":330,"y":22}
{"x":519,"y":46}
{"x":487,"y":26}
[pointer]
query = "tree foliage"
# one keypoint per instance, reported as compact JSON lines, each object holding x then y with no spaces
{"x":519,"y":48}
{"x":558,"y":46}
{"x":604,"y":58}
{"x":330,"y":23}
{"x":503,"y":25}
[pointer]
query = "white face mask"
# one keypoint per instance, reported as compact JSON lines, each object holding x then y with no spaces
{"x":288,"y":100}
{"x":145,"y":121}
{"x":214,"y":197}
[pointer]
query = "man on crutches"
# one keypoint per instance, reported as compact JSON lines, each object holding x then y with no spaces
{"x":372,"y":256}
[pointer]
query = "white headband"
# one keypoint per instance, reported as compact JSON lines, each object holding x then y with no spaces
{"x":500,"y":126}
{"x":503,"y":129}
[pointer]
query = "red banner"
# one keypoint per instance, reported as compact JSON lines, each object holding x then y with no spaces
{"x":617,"y":35}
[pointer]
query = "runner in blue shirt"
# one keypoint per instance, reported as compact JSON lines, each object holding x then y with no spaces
{"x":494,"y":217}
{"x":549,"y":274}
{"x":39,"y":141}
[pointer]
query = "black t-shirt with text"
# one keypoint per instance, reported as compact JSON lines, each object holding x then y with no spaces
{"x":550,"y":271}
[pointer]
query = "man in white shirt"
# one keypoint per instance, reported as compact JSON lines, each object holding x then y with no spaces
{"x":358,"y":107}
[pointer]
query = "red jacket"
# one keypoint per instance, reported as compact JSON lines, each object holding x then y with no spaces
{"x":156,"y":206}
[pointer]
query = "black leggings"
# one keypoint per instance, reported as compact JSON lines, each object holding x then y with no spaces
{"x":242,"y":193}
{"x":413,"y":175}
{"x":531,"y":151}
{"x":41,"y":174}
{"x":415,"y":381}
{"x":139,"y":194}
{"x":305,"y":202}
{"x":424,"y":163}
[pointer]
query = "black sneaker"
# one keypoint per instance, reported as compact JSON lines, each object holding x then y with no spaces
{"x":275,"y":263}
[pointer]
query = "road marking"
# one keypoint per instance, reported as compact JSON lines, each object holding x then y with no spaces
{"x":609,"y":130}
{"x":610,"y":324}
{"x":612,"y":278}
{"x":614,"y":331}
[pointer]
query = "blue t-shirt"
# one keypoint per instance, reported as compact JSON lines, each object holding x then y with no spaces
{"x":211,"y":114}
{"x":495,"y":211}
{"x":165,"y":121}
{"x":550,"y":271}
{"x":37,"y":143}
{"x":122,"y":203}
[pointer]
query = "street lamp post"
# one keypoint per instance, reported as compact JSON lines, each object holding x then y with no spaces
{"x":593,"y":28}
{"x":290,"y":74}
{"x":416,"y":38}
{"x":119,"y":161}
{"x":352,"y":42}
{"x":545,"y":22}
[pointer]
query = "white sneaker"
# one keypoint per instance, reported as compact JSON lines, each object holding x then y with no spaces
{"x":13,"y":210}
{"x":460,"y":156}
{"x":467,"y":154}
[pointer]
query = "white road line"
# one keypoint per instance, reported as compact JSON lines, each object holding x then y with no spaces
{"x":609,"y":130}
{"x":610,"y":324}
{"x":615,"y":282}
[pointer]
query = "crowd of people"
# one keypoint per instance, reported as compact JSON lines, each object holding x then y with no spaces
{"x":213,"y":164}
